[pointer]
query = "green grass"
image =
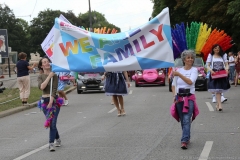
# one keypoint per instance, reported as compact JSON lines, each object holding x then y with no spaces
{"x":10,"y":94}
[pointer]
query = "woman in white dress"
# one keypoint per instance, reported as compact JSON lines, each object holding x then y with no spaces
{"x":216,"y":61}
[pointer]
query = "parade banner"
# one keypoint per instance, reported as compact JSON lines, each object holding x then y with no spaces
{"x":148,"y":46}
{"x":47,"y":44}
{"x":3,"y":43}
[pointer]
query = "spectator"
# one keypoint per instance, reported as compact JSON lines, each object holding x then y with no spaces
{"x":23,"y":78}
{"x":231,"y":63}
{"x":237,"y":67}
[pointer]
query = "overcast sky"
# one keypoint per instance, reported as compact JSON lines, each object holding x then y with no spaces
{"x":125,"y":14}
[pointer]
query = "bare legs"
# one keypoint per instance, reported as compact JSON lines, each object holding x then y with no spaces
{"x":118,"y":100}
{"x":62,"y":95}
{"x":236,"y":79}
{"x":112,"y":102}
{"x":219,"y":103}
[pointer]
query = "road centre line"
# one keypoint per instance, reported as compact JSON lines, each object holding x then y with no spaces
{"x":112,"y":110}
{"x":209,"y":106}
{"x":31,"y":152}
{"x":130,"y":92}
{"x":206,"y":150}
{"x":42,"y":147}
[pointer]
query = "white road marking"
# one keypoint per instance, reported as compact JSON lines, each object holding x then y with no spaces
{"x":209,"y":106}
{"x":206,"y":150}
{"x":112,"y":110}
{"x":40,"y":148}
{"x":31,"y":152}
{"x":130,"y":92}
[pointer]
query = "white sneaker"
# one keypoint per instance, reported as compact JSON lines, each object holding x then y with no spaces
{"x":58,"y":143}
{"x":51,"y":147}
{"x":214,"y":99}
{"x":65,"y":102}
{"x":223,"y":99}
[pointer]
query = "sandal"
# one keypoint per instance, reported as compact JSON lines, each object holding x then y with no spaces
{"x":220,"y":109}
{"x":123,"y":112}
{"x":119,"y":113}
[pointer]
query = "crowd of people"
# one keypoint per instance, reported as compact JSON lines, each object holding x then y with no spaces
{"x":184,"y":108}
{"x":234,"y":67}
{"x":223,"y":71}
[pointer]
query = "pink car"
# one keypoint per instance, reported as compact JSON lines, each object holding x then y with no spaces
{"x":149,"y":76}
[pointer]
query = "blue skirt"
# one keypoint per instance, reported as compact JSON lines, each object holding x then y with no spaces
{"x":218,"y":85}
{"x":115,"y":84}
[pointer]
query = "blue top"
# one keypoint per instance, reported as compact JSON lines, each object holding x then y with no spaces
{"x":22,"y":68}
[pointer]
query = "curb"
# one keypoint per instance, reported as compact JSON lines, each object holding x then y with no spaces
{"x":32,"y":105}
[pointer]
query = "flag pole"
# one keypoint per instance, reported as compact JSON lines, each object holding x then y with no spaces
{"x":51,"y":88}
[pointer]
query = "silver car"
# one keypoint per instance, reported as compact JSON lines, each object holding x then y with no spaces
{"x":90,"y":81}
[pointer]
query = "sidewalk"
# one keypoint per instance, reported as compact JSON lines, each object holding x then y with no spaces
{"x":11,"y":82}
{"x":14,"y":76}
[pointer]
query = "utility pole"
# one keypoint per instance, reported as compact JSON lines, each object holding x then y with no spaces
{"x":90,"y":16}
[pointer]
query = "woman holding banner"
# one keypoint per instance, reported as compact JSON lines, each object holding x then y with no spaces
{"x":116,"y":87}
{"x":184,"y":108}
{"x":49,"y":103}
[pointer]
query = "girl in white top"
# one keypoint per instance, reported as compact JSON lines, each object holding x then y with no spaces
{"x":216,"y":61}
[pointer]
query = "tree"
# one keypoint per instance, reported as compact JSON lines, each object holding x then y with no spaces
{"x":98,"y":20}
{"x":21,"y":35}
{"x":41,"y":26}
{"x":177,"y":14}
{"x":221,"y":14}
{"x":17,"y":35}
{"x":233,"y":11}
{"x":72,"y":18}
{"x":214,"y":13}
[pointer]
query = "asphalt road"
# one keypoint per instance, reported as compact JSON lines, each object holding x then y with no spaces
{"x":90,"y":129}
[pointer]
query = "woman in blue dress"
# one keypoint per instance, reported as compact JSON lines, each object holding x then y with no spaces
{"x":116,"y":87}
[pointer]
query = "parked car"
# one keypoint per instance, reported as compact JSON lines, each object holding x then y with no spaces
{"x":149,"y":77}
{"x":89,"y":81}
{"x":201,"y":82}
{"x":1,"y":88}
